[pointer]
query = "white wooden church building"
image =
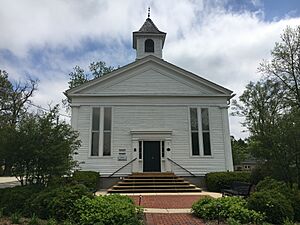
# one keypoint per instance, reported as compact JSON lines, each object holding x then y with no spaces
{"x":152,"y":116}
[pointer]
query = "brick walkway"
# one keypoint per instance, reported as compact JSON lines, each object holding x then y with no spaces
{"x":167,"y":201}
{"x":172,"y":219}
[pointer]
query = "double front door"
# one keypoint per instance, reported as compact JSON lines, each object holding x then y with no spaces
{"x":151,"y":156}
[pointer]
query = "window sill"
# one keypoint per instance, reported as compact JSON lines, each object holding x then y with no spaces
{"x":100,"y":157}
{"x":202,"y":156}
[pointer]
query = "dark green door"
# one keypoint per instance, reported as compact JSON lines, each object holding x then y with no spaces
{"x":151,"y":156}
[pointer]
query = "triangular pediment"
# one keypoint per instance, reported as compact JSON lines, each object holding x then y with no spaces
{"x":150,"y":76}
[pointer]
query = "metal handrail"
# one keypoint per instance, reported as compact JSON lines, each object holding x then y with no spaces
{"x":181,"y":167}
{"x":122,"y":167}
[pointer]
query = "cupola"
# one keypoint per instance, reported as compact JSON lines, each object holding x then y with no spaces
{"x":148,"y":40}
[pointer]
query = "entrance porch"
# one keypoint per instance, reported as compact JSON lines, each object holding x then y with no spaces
{"x":151,"y":148}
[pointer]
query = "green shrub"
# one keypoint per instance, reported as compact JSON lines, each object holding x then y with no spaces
{"x":56,"y":203}
{"x":51,"y":222}
{"x":1,"y":212}
{"x":67,"y":222}
{"x":106,"y":210}
{"x":88,"y":178}
{"x":57,"y":181}
{"x":218,"y":180}
{"x":296,"y":204}
{"x":288,"y":222}
{"x":13,"y":199}
{"x":271,"y":184}
{"x":293,"y":195}
{"x":33,"y":220}
{"x":225,"y":208}
{"x":232,"y":221}
{"x":203,"y":209}
{"x":16,"y":217}
{"x":275,"y":205}
{"x":259,"y":173}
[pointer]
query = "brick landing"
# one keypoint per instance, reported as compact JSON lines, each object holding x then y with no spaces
{"x":172,"y":219}
{"x":167,"y":201}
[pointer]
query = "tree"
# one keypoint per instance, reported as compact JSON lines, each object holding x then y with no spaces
{"x":13,"y":97}
{"x":97,"y":69}
{"x":284,"y":68}
{"x":261,"y":106}
{"x":272,"y":108}
{"x":287,"y":139}
{"x":43,"y":148}
{"x":78,"y":76}
{"x":266,"y":116}
{"x":240,"y":150}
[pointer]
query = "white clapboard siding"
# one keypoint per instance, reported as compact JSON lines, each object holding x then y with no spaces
{"x":150,"y":81}
{"x":104,"y":165}
{"x":172,"y":118}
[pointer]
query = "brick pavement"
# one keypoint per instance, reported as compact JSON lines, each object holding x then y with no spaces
{"x":172,"y":219}
{"x":167,"y":201}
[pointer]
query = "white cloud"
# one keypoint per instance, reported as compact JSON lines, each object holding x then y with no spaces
{"x":222,"y":46}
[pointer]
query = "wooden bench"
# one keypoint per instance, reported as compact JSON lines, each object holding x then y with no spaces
{"x":238,"y":188}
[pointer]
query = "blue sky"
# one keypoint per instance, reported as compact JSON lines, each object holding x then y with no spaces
{"x":223,"y":41}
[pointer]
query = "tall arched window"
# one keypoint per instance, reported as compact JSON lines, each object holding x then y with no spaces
{"x":149,"y":45}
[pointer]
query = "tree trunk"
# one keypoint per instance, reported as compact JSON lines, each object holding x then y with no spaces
{"x":7,"y":169}
{"x":298,"y":175}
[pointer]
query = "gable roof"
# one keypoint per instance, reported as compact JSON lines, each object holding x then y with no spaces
{"x":138,"y":63}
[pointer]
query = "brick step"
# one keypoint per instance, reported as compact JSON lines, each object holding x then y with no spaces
{"x":152,"y":178}
{"x":153,"y":190}
{"x":153,"y":173}
{"x":156,"y":187}
{"x":153,"y":183}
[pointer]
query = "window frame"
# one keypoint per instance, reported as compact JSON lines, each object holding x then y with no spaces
{"x":200,"y":133}
{"x":92,"y":131}
{"x":101,"y":133}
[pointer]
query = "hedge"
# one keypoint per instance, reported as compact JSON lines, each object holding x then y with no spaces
{"x":225,"y":208}
{"x":270,"y":193}
{"x":88,"y":178}
{"x":274,"y":205}
{"x":107,"y":210}
{"x":13,"y":199}
{"x":55,"y":203}
{"x":218,"y":180}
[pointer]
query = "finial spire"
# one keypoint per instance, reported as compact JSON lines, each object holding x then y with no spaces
{"x":148,"y":12}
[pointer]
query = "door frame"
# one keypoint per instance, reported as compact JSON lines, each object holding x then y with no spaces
{"x":151,"y":135}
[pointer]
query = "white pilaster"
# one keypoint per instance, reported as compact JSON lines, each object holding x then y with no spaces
{"x":74,"y":118}
{"x":135,"y":154}
{"x":227,"y":143}
{"x":168,"y":154}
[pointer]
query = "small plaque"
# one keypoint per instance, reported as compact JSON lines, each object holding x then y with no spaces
{"x":122,"y":155}
{"x":122,"y":158}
